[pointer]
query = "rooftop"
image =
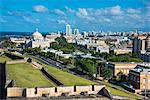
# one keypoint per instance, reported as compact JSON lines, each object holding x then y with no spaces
{"x":141,"y":70}
{"x":139,"y":63}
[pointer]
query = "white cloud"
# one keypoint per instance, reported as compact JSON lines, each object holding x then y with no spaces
{"x":61,"y":22}
{"x":69,"y":9}
{"x":59,"y":12}
{"x":116,"y":10}
{"x":2,"y":20}
{"x":118,"y":17}
{"x":131,"y":10}
{"x":18,"y":13}
{"x":82,"y":12}
{"x":31,"y":20}
{"x":135,"y":16}
{"x":40,"y":8}
{"x":148,"y":10}
{"x":106,"y":19}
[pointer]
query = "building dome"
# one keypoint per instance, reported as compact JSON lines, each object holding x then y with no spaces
{"x":37,"y":35}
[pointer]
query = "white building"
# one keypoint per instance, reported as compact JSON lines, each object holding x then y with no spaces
{"x":76,"y":31}
{"x":102,"y":49}
{"x":51,"y":37}
{"x":68,"y":29}
{"x":85,"y":34}
{"x":122,"y":51}
{"x":38,"y":40}
{"x":37,"y":35}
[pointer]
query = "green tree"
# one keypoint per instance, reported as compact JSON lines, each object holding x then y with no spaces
{"x":55,"y":45}
{"x":89,"y":66}
{"x":105,"y":72}
{"x":33,"y":51}
{"x":61,"y":40}
{"x":8,"y":44}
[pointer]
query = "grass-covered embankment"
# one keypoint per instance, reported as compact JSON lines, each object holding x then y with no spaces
{"x":24,"y":75}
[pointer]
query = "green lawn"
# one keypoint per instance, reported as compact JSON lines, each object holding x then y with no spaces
{"x":25,"y":75}
{"x":4,"y":58}
{"x":119,"y":91}
{"x":65,"y":77}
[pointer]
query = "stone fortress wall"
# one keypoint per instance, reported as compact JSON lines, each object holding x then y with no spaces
{"x":52,"y":91}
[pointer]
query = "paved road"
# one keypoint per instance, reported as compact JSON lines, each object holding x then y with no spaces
{"x":56,"y":64}
{"x":53,"y":63}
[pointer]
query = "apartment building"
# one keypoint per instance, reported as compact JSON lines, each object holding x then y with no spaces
{"x":139,"y":78}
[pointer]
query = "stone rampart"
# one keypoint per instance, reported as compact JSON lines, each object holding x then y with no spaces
{"x":53,"y":91}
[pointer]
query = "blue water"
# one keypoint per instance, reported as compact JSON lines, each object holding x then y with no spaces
{"x":19,"y":34}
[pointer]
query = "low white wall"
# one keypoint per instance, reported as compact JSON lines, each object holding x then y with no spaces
{"x":15,"y":92}
{"x":30,"y":92}
{"x":53,"y":91}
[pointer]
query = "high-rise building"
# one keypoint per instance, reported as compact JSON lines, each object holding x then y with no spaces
{"x":76,"y":31}
{"x":136,"y":45}
{"x":85,"y":34}
{"x":148,"y":43}
{"x":139,"y":44}
{"x":68,"y":29}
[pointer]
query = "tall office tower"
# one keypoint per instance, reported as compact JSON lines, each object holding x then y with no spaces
{"x":143,"y":45}
{"x":136,"y":45}
{"x":139,"y":44}
{"x":68,"y":30}
{"x":76,"y":31}
{"x":85,"y":34}
{"x":148,"y":43}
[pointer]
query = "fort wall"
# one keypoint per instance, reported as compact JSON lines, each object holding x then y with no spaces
{"x":53,"y":91}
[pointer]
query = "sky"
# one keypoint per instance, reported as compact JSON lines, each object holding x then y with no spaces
{"x":86,"y":15}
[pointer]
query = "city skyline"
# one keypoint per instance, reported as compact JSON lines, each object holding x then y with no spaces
{"x":49,"y":16}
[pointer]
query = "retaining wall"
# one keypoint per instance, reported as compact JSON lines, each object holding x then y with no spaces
{"x":16,"y":92}
{"x":50,"y":77}
{"x":53,"y":91}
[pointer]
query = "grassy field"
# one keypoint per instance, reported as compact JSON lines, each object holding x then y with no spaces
{"x":119,"y":91}
{"x":4,"y":58}
{"x":25,"y":75}
{"x":65,"y":77}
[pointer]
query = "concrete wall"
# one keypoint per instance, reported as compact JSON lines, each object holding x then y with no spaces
{"x":15,"y":92}
{"x":68,"y":90}
{"x":46,"y":91}
{"x":50,"y":77}
{"x":53,"y":91}
{"x":30,"y":92}
{"x":2,"y":80}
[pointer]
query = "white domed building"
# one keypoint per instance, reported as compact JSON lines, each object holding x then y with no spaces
{"x":38,"y":40}
{"x":37,"y":35}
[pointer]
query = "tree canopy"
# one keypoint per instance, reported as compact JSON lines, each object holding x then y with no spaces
{"x":8,"y":44}
{"x":61,"y":40}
